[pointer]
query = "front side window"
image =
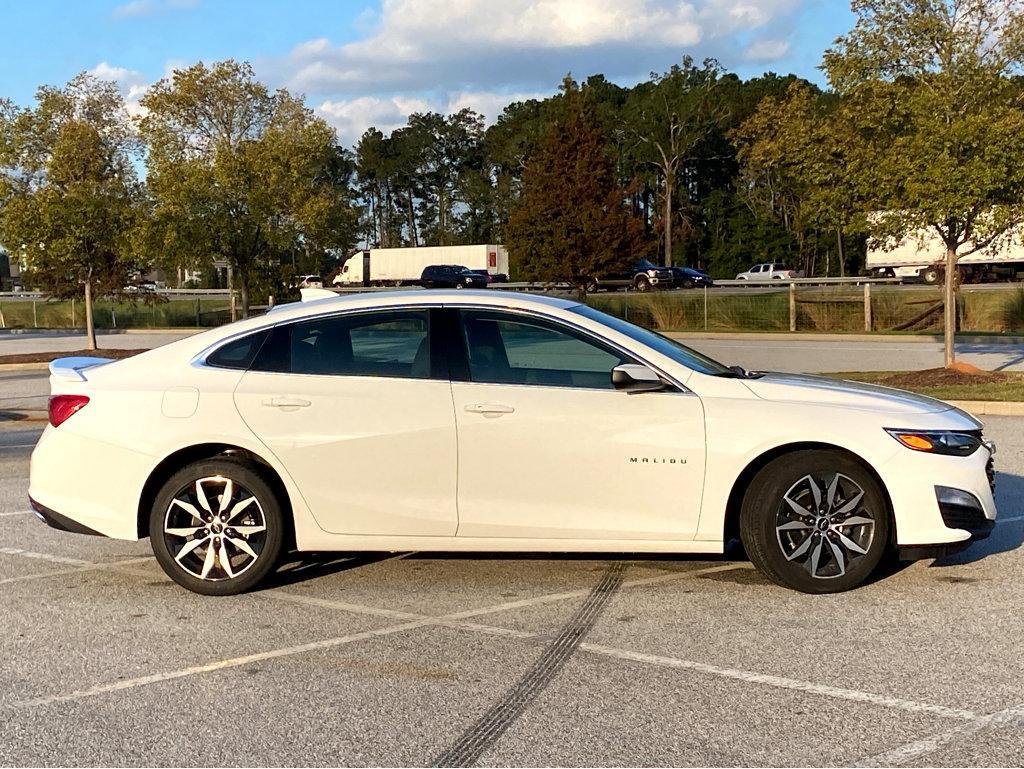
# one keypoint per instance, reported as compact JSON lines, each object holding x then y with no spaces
{"x":379,"y":344}
{"x":510,"y":349}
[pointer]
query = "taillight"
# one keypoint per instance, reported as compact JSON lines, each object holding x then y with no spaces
{"x":63,"y":406}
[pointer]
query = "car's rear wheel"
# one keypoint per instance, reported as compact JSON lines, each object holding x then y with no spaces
{"x":217,"y":527}
{"x":815,"y":521}
{"x":642,"y":284}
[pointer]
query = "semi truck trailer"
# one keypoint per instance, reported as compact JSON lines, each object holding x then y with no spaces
{"x":403,"y":266}
{"x":922,"y":258}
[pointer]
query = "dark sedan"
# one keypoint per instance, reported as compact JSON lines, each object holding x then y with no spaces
{"x":688,"y":277}
{"x":451,"y":276}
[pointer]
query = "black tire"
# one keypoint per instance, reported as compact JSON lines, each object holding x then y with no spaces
{"x":764,"y":510}
{"x":642,"y":284}
{"x":931,"y":276}
{"x":592,"y":286}
{"x":688,"y":283}
{"x":266,"y":512}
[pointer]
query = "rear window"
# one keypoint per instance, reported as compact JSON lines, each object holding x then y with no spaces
{"x":239,"y":353}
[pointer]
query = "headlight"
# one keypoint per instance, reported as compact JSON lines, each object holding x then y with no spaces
{"x":951,"y":442}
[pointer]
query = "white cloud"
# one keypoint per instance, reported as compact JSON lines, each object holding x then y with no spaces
{"x":766,"y":50}
{"x":133,"y":84}
{"x":482,"y":44}
{"x":352,"y":117}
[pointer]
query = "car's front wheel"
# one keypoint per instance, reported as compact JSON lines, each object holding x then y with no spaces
{"x":815,"y":521}
{"x":217,"y":527}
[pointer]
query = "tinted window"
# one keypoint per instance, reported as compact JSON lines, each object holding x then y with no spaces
{"x":239,"y":353}
{"x":512,"y":349}
{"x":385,"y":344}
{"x":677,"y":352}
{"x":756,"y":268}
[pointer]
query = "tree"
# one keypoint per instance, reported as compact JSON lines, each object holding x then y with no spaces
{"x":69,"y":195}
{"x":669,"y":117}
{"x":571,"y":222}
{"x":931,"y":121}
{"x":791,"y":166}
{"x":240,"y":174}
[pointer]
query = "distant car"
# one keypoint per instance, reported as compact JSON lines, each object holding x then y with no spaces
{"x":688,"y":277}
{"x":451,"y":276}
{"x":492,"y":277}
{"x":768,"y":271}
{"x":643,"y":275}
{"x":143,"y":287}
{"x":309,"y":281}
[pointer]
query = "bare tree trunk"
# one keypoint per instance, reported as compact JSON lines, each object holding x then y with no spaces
{"x":413,"y":235}
{"x":950,"y":310}
{"x":243,"y":290}
{"x":668,"y":219}
{"x":90,"y":330}
{"x":842,"y":256}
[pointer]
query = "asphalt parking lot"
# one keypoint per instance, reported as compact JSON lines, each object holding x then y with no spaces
{"x":409,"y":659}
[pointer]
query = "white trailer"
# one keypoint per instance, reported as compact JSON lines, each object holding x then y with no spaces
{"x":922,"y":257}
{"x":403,"y":266}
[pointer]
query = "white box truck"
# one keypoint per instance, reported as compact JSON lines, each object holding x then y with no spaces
{"x":922,"y":257}
{"x":403,"y":266}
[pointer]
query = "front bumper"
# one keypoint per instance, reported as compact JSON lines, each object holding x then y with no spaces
{"x":911,"y":478}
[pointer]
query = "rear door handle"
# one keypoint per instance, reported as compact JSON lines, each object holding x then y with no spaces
{"x":286,"y":402}
{"x":489,"y":409}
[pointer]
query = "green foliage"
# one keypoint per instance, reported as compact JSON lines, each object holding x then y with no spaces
{"x":241,"y":174}
{"x":69,"y":196}
{"x":571,"y":222}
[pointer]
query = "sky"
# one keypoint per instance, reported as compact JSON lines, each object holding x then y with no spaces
{"x":372,"y":62}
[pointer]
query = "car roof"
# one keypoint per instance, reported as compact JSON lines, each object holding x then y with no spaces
{"x":385,"y":299}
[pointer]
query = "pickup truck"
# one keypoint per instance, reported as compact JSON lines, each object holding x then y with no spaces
{"x":643,"y":275}
{"x":769,"y":271}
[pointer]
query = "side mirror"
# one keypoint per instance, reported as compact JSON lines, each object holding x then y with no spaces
{"x":634,"y":378}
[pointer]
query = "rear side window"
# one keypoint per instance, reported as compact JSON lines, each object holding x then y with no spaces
{"x":385,"y":344}
{"x":239,"y":353}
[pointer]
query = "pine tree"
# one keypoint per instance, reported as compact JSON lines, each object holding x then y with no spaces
{"x":571,"y":222}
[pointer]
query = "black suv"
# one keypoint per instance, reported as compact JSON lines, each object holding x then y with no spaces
{"x":644,"y":275}
{"x":451,"y":276}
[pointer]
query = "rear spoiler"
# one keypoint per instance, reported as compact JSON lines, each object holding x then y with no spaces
{"x":70,"y":369}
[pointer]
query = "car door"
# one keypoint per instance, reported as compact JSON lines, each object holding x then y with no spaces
{"x":549,"y":449}
{"x":358,"y":409}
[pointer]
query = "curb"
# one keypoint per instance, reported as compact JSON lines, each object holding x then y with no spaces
{"x":991,"y":408}
{"x":24,"y":366}
{"x":101,"y":331}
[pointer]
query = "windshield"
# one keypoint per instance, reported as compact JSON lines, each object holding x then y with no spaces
{"x":645,"y":264}
{"x":677,"y":352}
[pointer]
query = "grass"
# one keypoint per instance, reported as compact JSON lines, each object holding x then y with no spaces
{"x":175,"y":313}
{"x":992,"y":386}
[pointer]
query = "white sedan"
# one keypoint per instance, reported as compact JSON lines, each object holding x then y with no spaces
{"x":469,"y":421}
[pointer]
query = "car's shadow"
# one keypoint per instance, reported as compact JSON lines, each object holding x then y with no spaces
{"x":1007,"y":535}
{"x":302,"y":567}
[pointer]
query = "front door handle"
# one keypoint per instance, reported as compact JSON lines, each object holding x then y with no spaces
{"x":286,"y":402}
{"x":489,"y":409}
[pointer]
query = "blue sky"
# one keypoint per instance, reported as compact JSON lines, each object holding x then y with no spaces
{"x":371,"y":63}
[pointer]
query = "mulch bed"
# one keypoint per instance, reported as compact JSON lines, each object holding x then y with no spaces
{"x":46,"y":357}
{"x":945,"y":377}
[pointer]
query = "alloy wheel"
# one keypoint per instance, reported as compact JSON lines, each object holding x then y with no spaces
{"x":823,"y":525}
{"x":215,"y":528}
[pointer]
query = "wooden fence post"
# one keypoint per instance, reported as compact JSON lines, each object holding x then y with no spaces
{"x":792,"y":306}
{"x":867,"y":307}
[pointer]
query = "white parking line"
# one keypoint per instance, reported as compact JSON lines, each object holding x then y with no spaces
{"x":780,"y":682}
{"x":82,"y":566}
{"x":454,"y":620}
{"x":1014,"y":519}
{"x":288,"y":651}
{"x":922,"y":747}
{"x":458,"y":620}
{"x":18,"y":512}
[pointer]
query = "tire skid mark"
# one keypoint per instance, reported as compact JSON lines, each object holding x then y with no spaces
{"x":468,"y":749}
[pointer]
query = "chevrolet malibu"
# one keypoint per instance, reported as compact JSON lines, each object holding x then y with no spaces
{"x":468,"y":421}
